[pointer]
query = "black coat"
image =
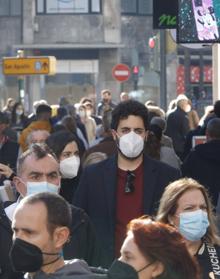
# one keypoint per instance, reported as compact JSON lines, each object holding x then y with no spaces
{"x":9,"y":155}
{"x":69,"y":186}
{"x":203,"y":164}
{"x":83,"y":243}
{"x":96,"y":194}
{"x":177,"y":128}
{"x":204,"y":261}
{"x":5,"y":245}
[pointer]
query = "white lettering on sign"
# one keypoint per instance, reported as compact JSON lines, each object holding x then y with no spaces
{"x":121,"y":73}
{"x":214,"y":260}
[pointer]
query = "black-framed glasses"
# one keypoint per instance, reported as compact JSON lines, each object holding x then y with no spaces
{"x":129,"y":185}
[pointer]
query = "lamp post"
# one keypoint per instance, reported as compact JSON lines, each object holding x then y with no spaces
{"x":157,"y":44}
{"x":163,"y":74}
{"x":21,"y":91}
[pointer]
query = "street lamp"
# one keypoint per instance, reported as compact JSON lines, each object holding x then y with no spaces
{"x":21,"y":91}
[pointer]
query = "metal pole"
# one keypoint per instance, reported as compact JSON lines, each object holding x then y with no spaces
{"x":216,"y":72}
{"x":21,"y":91}
{"x":163,"y":74}
{"x":135,"y":85}
{"x":187,"y":70}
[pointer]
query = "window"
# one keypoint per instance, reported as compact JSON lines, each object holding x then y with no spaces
{"x":129,"y":6}
{"x":68,"y":6}
{"x":137,"y":7}
{"x":40,"y":6}
{"x":10,"y":7}
{"x":95,"y":8}
{"x":15,"y":7}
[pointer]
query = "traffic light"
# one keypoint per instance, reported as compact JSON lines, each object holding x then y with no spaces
{"x":151,"y":42}
{"x":135,"y":72}
{"x":154,"y":51}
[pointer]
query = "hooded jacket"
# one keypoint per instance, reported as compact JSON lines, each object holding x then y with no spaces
{"x":203,"y":164}
{"x":78,"y":269}
{"x":82,"y":244}
{"x":72,"y":269}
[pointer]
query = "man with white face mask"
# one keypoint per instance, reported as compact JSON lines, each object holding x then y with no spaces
{"x":38,"y":171}
{"x":124,"y":186}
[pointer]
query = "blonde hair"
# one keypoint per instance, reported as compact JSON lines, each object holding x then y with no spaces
{"x":169,"y":202}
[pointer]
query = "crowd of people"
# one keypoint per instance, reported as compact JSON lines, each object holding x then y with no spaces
{"x":118,"y":191}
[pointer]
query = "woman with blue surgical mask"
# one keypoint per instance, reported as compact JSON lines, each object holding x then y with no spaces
{"x":64,"y":145}
{"x":185,"y":204}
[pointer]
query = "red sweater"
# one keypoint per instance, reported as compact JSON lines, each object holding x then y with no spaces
{"x":128,"y":205}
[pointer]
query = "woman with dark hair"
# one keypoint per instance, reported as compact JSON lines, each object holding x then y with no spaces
{"x":65,"y":146}
{"x":70,"y":125}
{"x":19,"y":120}
{"x":156,"y":250}
{"x":185,"y":204}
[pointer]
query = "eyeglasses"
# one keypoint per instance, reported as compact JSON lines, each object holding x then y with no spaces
{"x":129,"y":185}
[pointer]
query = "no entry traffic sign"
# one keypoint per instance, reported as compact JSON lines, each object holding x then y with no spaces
{"x":121,"y":72}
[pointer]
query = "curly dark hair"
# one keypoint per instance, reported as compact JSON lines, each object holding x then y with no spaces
{"x":131,"y":107}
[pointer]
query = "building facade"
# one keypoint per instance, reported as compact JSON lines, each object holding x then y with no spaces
{"x":88,"y":38}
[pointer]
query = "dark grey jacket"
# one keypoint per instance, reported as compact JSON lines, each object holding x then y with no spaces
{"x":78,"y":269}
{"x":96,"y":194}
{"x":177,"y":128}
{"x":83,"y":242}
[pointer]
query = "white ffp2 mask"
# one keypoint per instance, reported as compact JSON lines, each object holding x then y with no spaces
{"x":69,"y":167}
{"x":131,"y":145}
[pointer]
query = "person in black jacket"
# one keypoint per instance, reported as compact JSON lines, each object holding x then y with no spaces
{"x":178,"y":125}
{"x":203,"y":162}
{"x":8,"y":148}
{"x":19,"y":120}
{"x":6,"y":271}
{"x":124,"y":186}
{"x":38,"y":171}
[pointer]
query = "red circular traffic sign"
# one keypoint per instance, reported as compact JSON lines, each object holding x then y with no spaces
{"x":121,"y":72}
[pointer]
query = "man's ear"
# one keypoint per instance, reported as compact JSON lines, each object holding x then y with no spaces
{"x":158,"y":269}
{"x":61,"y":236}
{"x":20,"y":186}
{"x":114,"y":134}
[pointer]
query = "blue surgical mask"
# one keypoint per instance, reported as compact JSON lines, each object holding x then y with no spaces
{"x":43,"y":186}
{"x":193,"y":225}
